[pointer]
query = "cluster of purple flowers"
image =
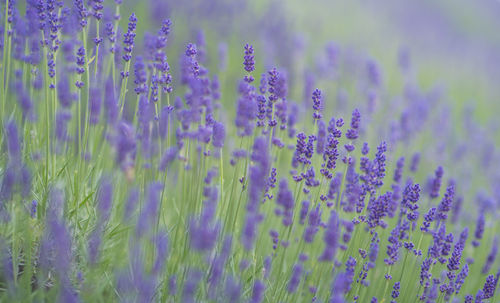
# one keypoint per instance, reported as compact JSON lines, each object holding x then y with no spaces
{"x":304,"y":211}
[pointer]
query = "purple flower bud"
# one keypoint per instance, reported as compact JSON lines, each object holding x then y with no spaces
{"x":190,"y":50}
{"x":55,"y":250}
{"x":374,"y":73}
{"x":351,"y":134}
{"x":232,"y":290}
{"x":393,"y":247}
{"x":490,"y":287}
{"x":277,"y":85}
{"x":398,"y":173}
{"x":258,"y":177}
{"x":461,"y":278}
{"x":105,"y":198}
{"x":436,"y":183}
{"x":331,"y":237}
{"x":491,"y":256}
{"x":395,"y":291}
{"x":445,"y":205}
{"x":65,"y":97}
{"x":217,"y":266}
{"x":317,"y":104}
{"x":313,"y":225}
{"x":190,"y":286}
{"x":454,"y":260}
{"x":286,"y":200}
{"x":110,"y":102}
{"x":258,"y":292}
{"x":365,"y":149}
{"x":33,"y":209}
{"x":415,"y":160}
{"x":129,"y":37}
{"x":13,"y":144}
{"x":424,"y":271}
{"x":456,"y":209}
{"x":141,"y":76}
{"x":147,"y":217}
{"x":428,"y":219}
{"x":294,"y":281}
{"x":343,"y":281}
{"x":246,"y":110}
{"x":219,"y":134}
{"x":479,"y":296}
{"x":249,"y":61}
{"x":478,"y":234}
{"x":203,"y":231}
{"x":125,"y":145}
{"x":303,"y":211}
{"x":356,"y":119}
{"x":62,"y":119}
{"x":373,"y":254}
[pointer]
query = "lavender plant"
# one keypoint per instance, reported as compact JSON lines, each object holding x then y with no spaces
{"x":217,"y":180}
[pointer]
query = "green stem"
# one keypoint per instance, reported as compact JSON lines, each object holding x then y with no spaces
{"x":96,"y":50}
{"x":4,"y":59}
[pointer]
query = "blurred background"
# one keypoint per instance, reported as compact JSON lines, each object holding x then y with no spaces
{"x":451,"y":43}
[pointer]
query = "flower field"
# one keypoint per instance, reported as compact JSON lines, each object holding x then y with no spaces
{"x":204,"y":151}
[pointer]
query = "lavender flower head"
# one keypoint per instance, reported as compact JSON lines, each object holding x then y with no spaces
{"x":317,"y":104}
{"x":249,"y":61}
{"x":285,"y":199}
{"x":219,"y":134}
{"x":129,"y":37}
{"x":436,"y":183}
{"x":331,"y":238}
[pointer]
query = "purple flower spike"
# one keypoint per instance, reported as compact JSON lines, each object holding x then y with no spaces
{"x":321,"y":139}
{"x":232,"y":290}
{"x":303,"y":211}
{"x":491,"y":256}
{"x":33,"y":208}
{"x":148,"y":214}
{"x":13,"y":144}
{"x":490,"y":287}
{"x":191,"y":50}
{"x":249,"y":61}
{"x":395,"y":291}
{"x":190,"y":286}
{"x":445,"y":205}
{"x":478,"y":234}
{"x":219,"y":134}
{"x":398,"y":173}
{"x":436,"y":183}
{"x":317,"y":104}
{"x":294,"y":281}
{"x":129,"y":37}
{"x":428,"y":219}
{"x":286,"y":200}
{"x":258,"y":292}
{"x":415,"y":160}
{"x":355,"y":119}
{"x":313,"y":225}
{"x":331,"y":238}
{"x":258,"y":177}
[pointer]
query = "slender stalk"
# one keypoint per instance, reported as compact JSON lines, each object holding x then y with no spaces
{"x":96,"y":65}
{"x":5,"y":60}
